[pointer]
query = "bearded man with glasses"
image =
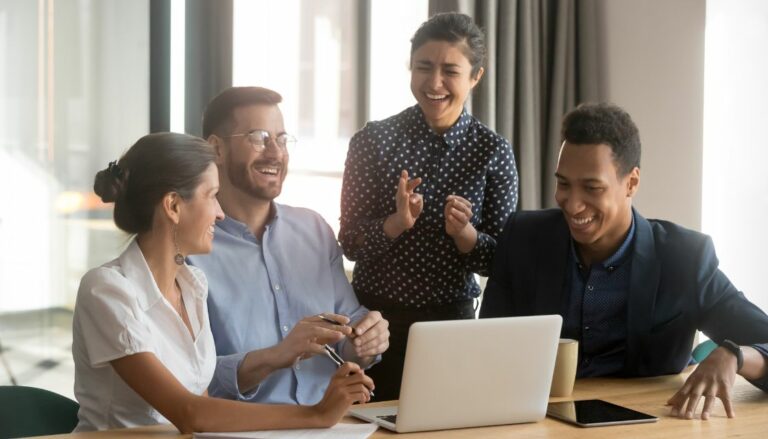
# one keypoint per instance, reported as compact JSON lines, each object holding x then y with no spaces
{"x":277,"y":289}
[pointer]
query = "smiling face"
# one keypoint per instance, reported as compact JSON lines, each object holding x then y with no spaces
{"x":596,"y":201}
{"x":441,"y":79}
{"x":260,"y":174}
{"x":199,"y":214}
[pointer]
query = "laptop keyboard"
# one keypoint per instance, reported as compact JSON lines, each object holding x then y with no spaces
{"x":388,"y":418}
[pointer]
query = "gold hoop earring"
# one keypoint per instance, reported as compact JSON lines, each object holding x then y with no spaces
{"x":178,"y":258}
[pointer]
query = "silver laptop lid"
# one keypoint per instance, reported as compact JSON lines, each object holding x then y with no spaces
{"x":466,"y":373}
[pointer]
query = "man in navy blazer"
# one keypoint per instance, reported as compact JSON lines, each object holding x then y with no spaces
{"x":632,"y":291}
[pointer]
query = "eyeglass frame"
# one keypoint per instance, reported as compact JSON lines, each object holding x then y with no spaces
{"x":265,"y":139}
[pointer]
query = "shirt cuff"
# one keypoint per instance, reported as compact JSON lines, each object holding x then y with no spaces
{"x":478,"y":259}
{"x":374,"y":243}
{"x":761,"y":383}
{"x":224,"y":383}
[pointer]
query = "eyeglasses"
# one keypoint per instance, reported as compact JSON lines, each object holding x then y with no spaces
{"x":259,"y":139}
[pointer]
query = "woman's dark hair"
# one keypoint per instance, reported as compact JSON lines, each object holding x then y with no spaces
{"x":592,"y":124}
{"x":154,"y":166}
{"x":218,"y":112}
{"x":453,"y":28}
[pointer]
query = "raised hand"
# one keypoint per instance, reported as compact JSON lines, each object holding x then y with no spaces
{"x":409,"y":205}
{"x":458,"y":212}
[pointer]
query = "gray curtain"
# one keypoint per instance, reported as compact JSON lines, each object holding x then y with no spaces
{"x":539,"y":66}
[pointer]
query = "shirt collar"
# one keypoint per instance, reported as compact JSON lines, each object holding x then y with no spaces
{"x":618,"y":257}
{"x":135,"y":268}
{"x":454,"y":134}
{"x":237,"y":228}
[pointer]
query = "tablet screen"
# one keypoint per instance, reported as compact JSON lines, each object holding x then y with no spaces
{"x":596,"y":412}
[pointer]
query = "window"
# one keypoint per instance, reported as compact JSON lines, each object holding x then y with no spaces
{"x":307,"y":50}
{"x":75,"y":96}
{"x":735,"y":192}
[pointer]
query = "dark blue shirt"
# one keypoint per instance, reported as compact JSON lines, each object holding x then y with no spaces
{"x":422,"y":267}
{"x":596,"y":312}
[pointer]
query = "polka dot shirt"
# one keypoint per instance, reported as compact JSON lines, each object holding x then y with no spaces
{"x":423,"y":267}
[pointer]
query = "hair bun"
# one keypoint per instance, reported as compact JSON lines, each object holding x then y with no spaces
{"x":109,"y":183}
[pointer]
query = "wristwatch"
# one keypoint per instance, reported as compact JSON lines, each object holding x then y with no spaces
{"x":735,"y":350}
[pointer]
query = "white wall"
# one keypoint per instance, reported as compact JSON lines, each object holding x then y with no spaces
{"x":652,"y":55}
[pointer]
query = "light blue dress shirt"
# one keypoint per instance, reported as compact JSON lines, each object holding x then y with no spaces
{"x":258,"y":291}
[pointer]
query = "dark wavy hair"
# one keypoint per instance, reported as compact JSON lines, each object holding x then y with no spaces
{"x":453,"y":28}
{"x":155,"y":165}
{"x":591,"y":124}
{"x":218,"y":117}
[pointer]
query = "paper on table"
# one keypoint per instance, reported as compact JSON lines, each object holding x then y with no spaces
{"x":338,"y":431}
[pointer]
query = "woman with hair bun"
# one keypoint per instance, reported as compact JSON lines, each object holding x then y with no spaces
{"x":142,"y":344}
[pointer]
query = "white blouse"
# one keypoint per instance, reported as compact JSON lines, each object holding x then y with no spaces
{"x":119,"y":312}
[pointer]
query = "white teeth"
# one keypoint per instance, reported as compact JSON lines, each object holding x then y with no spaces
{"x":582,"y":221}
{"x":268,"y":171}
{"x":436,"y":97}
{"x":211,"y":230}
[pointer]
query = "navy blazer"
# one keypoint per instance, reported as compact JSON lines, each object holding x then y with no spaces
{"x":676,"y":288}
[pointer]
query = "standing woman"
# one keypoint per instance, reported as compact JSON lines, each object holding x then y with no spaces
{"x":425,"y":194}
{"x":142,"y":342}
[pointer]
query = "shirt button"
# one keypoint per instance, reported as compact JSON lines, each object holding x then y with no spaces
{"x":586,"y":328}
{"x":298,"y":367}
{"x":590,"y":287}
{"x":285,"y":328}
{"x":611,"y":268}
{"x":277,"y":287}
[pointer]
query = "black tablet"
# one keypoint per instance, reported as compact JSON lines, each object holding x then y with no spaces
{"x":596,"y":413}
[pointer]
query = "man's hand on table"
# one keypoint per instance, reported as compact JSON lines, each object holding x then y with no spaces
{"x":713,"y":378}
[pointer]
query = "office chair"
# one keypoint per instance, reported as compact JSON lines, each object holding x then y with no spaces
{"x":29,"y":411}
{"x":702,"y":351}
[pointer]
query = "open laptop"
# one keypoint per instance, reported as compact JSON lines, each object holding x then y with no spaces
{"x":471,"y":373}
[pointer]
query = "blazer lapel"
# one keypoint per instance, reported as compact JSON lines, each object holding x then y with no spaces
{"x":644,"y":283}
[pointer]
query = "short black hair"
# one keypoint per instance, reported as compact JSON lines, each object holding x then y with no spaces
{"x":218,"y":112}
{"x":591,"y":124}
{"x":453,"y":28}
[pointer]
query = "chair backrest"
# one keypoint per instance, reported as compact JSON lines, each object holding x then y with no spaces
{"x":29,"y":411}
{"x":702,"y":351}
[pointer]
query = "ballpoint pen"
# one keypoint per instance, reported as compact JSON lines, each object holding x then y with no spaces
{"x":338,"y":360}
{"x":334,"y":322}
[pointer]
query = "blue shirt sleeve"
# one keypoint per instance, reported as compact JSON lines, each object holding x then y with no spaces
{"x":224,"y":383}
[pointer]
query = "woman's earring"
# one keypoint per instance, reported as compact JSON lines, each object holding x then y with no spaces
{"x":178,"y":258}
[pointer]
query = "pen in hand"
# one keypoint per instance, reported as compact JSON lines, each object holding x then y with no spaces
{"x":338,"y":360}
{"x":334,"y":322}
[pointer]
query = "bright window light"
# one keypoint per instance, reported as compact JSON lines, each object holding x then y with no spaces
{"x":735,"y":195}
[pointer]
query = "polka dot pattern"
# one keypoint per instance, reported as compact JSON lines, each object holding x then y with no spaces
{"x":422,"y":267}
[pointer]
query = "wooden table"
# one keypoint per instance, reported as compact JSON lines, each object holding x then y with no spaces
{"x":644,"y":394}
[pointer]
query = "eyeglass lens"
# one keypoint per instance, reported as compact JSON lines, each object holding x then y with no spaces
{"x":262,"y":138}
